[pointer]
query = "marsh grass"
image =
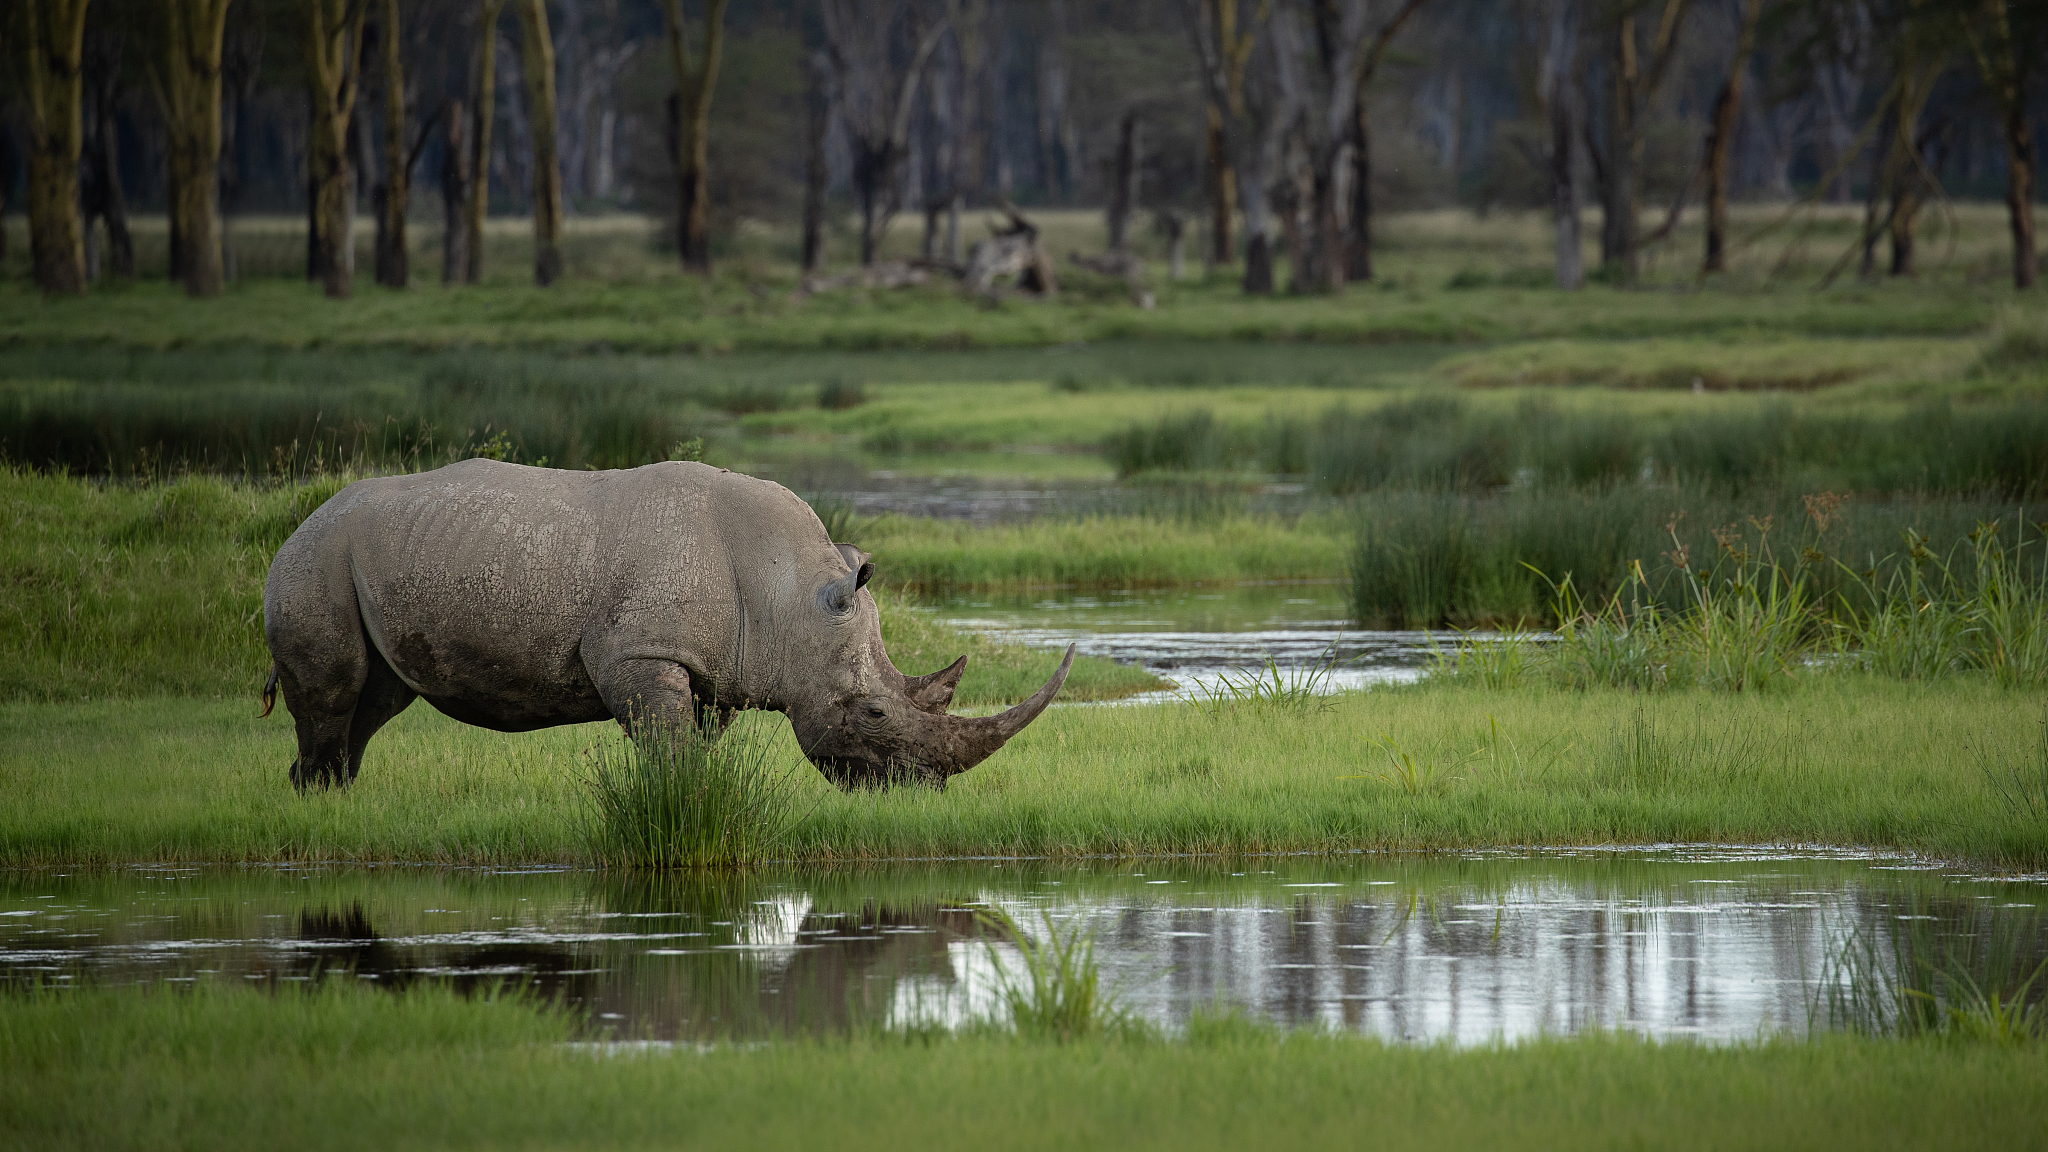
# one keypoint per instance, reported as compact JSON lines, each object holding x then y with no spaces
{"x":1434,"y":442}
{"x":1056,"y":991}
{"x":689,"y":796}
{"x":1300,"y":687}
{"x":1940,"y":969}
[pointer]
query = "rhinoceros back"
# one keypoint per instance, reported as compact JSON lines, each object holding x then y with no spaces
{"x":489,"y":588}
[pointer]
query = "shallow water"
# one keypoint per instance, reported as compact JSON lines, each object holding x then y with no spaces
{"x":1711,"y":943}
{"x":1198,"y":636}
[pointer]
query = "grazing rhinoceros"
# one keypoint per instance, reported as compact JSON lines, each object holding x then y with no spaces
{"x":519,"y":598}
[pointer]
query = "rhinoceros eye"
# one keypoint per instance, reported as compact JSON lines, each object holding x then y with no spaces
{"x":875,"y":711}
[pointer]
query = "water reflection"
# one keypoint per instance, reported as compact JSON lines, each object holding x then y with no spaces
{"x":1194,"y":636}
{"x":1706,"y":943}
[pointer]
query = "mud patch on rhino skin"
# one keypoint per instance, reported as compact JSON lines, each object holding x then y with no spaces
{"x":416,"y":656}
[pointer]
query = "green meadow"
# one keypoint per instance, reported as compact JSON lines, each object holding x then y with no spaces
{"x":1766,"y":563}
{"x":350,"y":1068}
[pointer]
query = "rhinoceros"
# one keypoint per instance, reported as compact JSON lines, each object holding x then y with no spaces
{"x":518,"y":598}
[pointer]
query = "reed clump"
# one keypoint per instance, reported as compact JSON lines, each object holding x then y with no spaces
{"x":1934,"y":969}
{"x":1752,"y":618}
{"x":1056,"y":992}
{"x":1435,"y":443}
{"x":688,"y":796}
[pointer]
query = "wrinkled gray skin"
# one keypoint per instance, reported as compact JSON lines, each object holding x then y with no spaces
{"x":517,"y":598}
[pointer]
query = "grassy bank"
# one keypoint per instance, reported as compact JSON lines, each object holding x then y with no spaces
{"x":227,"y":1069}
{"x":1956,"y":768}
{"x":118,"y":590}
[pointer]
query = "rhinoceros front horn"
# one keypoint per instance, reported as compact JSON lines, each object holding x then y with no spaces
{"x":962,"y":742}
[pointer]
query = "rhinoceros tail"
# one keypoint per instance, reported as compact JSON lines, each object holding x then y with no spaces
{"x":270,"y":691}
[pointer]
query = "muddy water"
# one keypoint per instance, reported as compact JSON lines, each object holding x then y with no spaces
{"x":1712,"y":943}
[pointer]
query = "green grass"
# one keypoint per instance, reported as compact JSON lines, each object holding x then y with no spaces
{"x":353,"y":1068}
{"x":117,"y":590}
{"x":1950,"y":767}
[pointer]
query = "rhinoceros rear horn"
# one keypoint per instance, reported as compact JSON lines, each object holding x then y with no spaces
{"x":964,"y":742}
{"x":934,"y":693}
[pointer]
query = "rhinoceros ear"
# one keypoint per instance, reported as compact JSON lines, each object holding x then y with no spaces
{"x":862,"y":564}
{"x":837,"y":597}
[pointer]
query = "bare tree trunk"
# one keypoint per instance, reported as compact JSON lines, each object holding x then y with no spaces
{"x":480,"y":144}
{"x":878,"y":100}
{"x":537,"y":61}
{"x":190,"y":94}
{"x":1722,"y":132}
{"x":1356,"y":225}
{"x":334,"y":34}
{"x":1358,"y":229}
{"x":393,"y":263}
{"x":1222,"y":185}
{"x":818,"y":111}
{"x":454,"y":194}
{"x":1618,"y":194}
{"x":1561,"y":95}
{"x":102,"y":67}
{"x":2006,"y":67}
{"x":56,"y":41}
{"x":2019,"y":194}
{"x":696,"y":83}
{"x":1123,"y":182}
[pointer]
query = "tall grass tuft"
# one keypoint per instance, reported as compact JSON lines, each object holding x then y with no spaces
{"x":1058,"y":993}
{"x":680,"y":796}
{"x":1980,"y":977}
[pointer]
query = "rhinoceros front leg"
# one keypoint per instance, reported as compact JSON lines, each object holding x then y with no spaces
{"x":643,"y":691}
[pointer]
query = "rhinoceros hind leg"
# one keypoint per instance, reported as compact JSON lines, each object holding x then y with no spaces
{"x":383,"y":696}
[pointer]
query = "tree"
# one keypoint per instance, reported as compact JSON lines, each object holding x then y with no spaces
{"x":1721,"y":132}
{"x":1631,"y":85}
{"x":1233,"y":50}
{"x":55,"y":41}
{"x":876,"y":100}
{"x":101,"y":191}
{"x":1254,"y":122}
{"x":2008,"y":41}
{"x":1358,"y":234}
{"x":537,"y":61}
{"x":394,"y":195}
{"x":485,"y":107}
{"x":454,"y":200}
{"x":690,"y":128}
{"x":1557,"y":95}
{"x":334,"y":37}
{"x":188,"y":92}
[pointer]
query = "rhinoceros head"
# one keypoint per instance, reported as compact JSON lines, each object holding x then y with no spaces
{"x":866,"y":724}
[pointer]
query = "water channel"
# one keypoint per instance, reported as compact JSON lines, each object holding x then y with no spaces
{"x":1705,"y":942}
{"x":1197,"y":636}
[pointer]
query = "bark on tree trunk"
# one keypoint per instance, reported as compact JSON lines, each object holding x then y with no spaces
{"x":2019,"y":194}
{"x":334,"y":34}
{"x":103,"y":168}
{"x":1358,"y":230}
{"x":190,"y":94}
{"x":1222,"y":192}
{"x":454,"y":194}
{"x":1618,"y":195}
{"x":394,"y":267}
{"x":1564,"y":182}
{"x":1123,"y":183}
{"x":537,"y":61}
{"x":1719,"y":137}
{"x":817,"y":117}
{"x":480,"y":143}
{"x":690,"y":122}
{"x":56,"y":41}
